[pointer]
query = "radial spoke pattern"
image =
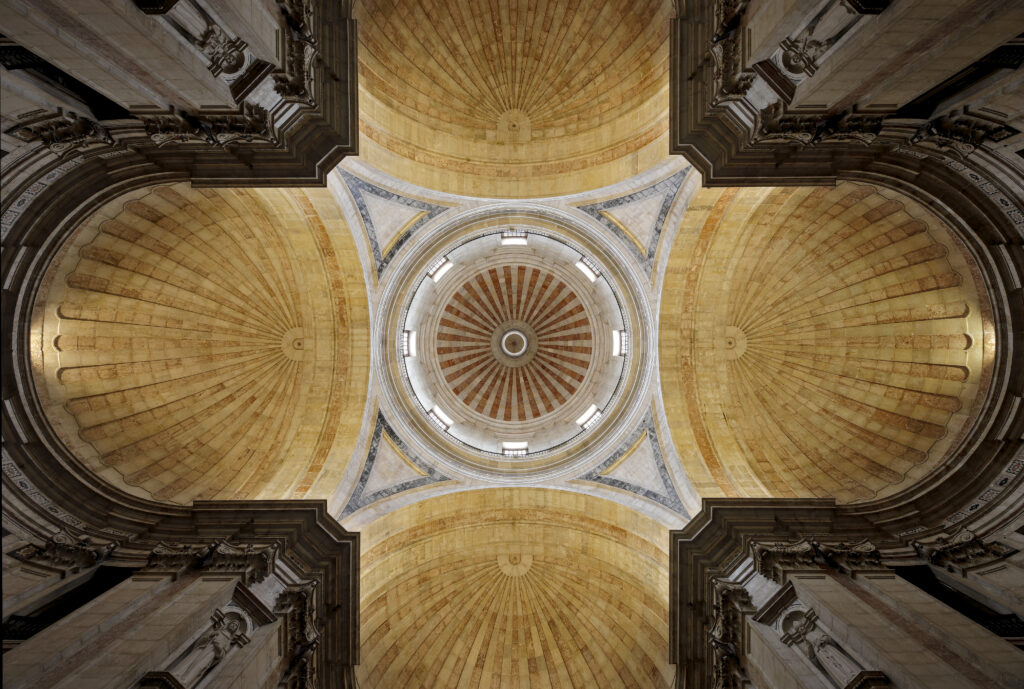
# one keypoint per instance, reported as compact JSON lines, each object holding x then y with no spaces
{"x":543,"y":379}
{"x":834,"y":340}
{"x":473,"y":592}
{"x":552,"y":87}
{"x":199,"y":334}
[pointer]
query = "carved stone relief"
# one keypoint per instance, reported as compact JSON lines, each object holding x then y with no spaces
{"x":801,"y":54}
{"x":64,"y":551}
{"x":226,"y":632}
{"x":725,"y":634}
{"x":799,"y":628}
{"x":960,"y":551}
{"x":226,"y":55}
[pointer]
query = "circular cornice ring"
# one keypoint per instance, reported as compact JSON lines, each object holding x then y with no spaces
{"x":627,"y":396}
{"x":514,"y":343}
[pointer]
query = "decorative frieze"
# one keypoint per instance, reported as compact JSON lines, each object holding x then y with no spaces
{"x":775,"y":125}
{"x":961,"y":134}
{"x":62,"y":132}
{"x":962,"y":551}
{"x":65,"y":551}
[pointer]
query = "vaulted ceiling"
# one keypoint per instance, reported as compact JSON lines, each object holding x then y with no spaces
{"x":513,"y":99}
{"x":197,"y":344}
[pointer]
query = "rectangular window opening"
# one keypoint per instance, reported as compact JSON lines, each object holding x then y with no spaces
{"x":438,"y":268}
{"x":409,"y":343}
{"x":513,"y":237}
{"x":514,"y":449}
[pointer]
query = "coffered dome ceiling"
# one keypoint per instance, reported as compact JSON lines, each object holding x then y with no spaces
{"x":514,"y":313}
{"x":819,"y":342}
{"x":198,"y":344}
{"x":514,"y":342}
{"x":514,"y":588}
{"x":513,"y":99}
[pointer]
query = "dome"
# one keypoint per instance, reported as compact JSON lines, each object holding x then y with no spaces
{"x":200,"y":344}
{"x":514,"y":588}
{"x":503,"y":342}
{"x":514,"y":342}
{"x":819,"y":342}
{"x":558,"y":99}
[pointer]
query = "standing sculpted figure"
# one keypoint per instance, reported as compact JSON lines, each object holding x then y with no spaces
{"x":208,"y":650}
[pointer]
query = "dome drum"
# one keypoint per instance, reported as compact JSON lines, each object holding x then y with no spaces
{"x":515,"y":343}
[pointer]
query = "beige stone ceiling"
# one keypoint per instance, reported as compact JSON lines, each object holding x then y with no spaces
{"x":514,"y":588}
{"x":200,"y":344}
{"x":513,"y":99}
{"x":818,"y":342}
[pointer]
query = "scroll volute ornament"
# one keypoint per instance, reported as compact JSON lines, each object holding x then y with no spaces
{"x":298,"y":605}
{"x":772,"y":560}
{"x":725,"y":635}
{"x":65,"y":551}
{"x":961,"y":551}
{"x":253,"y":563}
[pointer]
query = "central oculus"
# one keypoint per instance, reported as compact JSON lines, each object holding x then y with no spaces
{"x":513,"y":343}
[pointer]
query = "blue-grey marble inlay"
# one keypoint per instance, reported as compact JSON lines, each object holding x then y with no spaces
{"x":360,"y":499}
{"x":669,"y":187}
{"x":669,"y":498}
{"x":358,"y":188}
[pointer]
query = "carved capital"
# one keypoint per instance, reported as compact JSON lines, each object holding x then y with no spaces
{"x":175,"y":557}
{"x":961,"y":134}
{"x":254,"y":563}
{"x":848,"y":558}
{"x":961,"y":551}
{"x":62,"y":132}
{"x":770,"y":559}
{"x":63,"y":550}
{"x":250,"y":123}
{"x":774,"y":125}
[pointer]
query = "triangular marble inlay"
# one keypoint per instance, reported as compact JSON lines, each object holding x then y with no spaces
{"x":638,"y":467}
{"x":385,"y":240}
{"x":640,"y":216}
{"x":390,"y":469}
